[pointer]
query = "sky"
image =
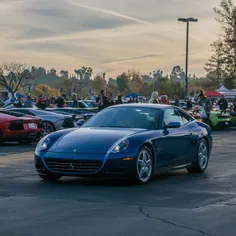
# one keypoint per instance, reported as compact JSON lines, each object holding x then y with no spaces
{"x":110,"y":36}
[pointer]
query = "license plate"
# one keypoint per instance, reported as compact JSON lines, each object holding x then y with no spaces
{"x":226,"y":123}
{"x":32,"y":125}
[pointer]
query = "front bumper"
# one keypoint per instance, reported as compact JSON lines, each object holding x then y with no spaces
{"x":12,"y":135}
{"x":84,"y":166}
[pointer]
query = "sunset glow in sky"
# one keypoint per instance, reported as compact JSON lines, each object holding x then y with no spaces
{"x":110,"y":36}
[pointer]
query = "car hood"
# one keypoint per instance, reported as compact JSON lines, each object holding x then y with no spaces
{"x":91,"y":140}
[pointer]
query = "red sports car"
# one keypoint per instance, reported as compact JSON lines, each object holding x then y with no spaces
{"x":20,"y":129}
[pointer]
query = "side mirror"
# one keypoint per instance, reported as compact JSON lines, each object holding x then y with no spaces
{"x":173,"y":125}
{"x":80,"y":122}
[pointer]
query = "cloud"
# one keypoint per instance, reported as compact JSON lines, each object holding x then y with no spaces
{"x":109,"y":12}
{"x":109,"y":35}
{"x":133,"y":58}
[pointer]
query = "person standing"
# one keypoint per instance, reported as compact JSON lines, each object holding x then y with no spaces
{"x":176,"y":101}
{"x":28,"y":103}
{"x":109,"y":101}
{"x":75,"y":103}
{"x":60,"y":101}
{"x":131,"y":100}
{"x":154,"y":98}
{"x":100,"y":100}
{"x":164,"y":99}
{"x":189,"y":104}
{"x":223,"y":104}
{"x":119,"y":100}
{"x":19,"y":102}
{"x":41,"y":102}
{"x":206,"y":105}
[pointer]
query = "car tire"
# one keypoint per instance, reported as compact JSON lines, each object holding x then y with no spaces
{"x":47,"y":127}
{"x":144,"y":166}
{"x":202,"y":157}
{"x":50,"y":178}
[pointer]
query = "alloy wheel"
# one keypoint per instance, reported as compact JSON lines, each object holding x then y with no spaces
{"x":203,"y":154}
{"x":47,"y":128}
{"x":144,"y":165}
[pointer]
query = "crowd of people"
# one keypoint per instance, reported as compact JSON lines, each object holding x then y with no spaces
{"x":105,"y":100}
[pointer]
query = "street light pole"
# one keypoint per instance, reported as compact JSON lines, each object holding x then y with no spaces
{"x":187,"y":20}
{"x":186,"y":62}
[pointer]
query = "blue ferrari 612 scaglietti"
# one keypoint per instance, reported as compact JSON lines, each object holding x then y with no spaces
{"x":132,"y":140}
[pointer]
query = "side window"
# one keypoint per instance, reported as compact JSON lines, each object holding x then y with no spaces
{"x":22,"y":111}
{"x":26,"y":112}
{"x":186,"y":118}
{"x":172,"y":115}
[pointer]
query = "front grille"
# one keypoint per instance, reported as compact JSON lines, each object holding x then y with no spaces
{"x":68,"y":123}
{"x":73,"y":165}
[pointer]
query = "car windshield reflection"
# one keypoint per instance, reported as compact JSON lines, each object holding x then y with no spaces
{"x":126,"y":117}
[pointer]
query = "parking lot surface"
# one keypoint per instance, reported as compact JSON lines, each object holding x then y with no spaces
{"x":175,"y":203}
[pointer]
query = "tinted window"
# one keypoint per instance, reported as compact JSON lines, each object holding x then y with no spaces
{"x":186,"y":118}
{"x":25,"y":112}
{"x":172,"y":115}
{"x":126,"y":117}
{"x":82,"y":105}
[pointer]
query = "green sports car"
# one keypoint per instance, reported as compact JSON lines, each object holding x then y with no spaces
{"x":220,"y":120}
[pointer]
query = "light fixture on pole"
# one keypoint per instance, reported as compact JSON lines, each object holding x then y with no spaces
{"x":187,"y":20}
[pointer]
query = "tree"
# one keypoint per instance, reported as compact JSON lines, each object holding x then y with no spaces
{"x":215,"y":65}
{"x":136,"y":80}
{"x":99,"y":83}
{"x":14,"y":76}
{"x":45,"y":89}
{"x":84,"y":73}
{"x":53,"y":71}
{"x":147,"y":89}
{"x":123,"y":83}
{"x":177,"y":74}
{"x":229,"y":82}
{"x":64,"y":74}
{"x":226,"y":16}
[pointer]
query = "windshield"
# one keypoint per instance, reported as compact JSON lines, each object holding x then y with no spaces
{"x":89,"y":104}
{"x":126,"y":117}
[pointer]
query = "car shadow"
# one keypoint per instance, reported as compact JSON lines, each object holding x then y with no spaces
{"x":160,"y":179}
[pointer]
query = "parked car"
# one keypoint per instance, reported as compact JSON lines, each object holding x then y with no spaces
{"x":182,"y":104}
{"x":81,"y":105}
{"x":16,"y":114}
{"x":90,"y":103}
{"x":50,"y":121}
{"x":134,"y":140}
{"x":218,"y":119}
{"x":80,"y":119}
{"x":233,"y":118}
{"x":21,"y":129}
{"x":72,"y":111}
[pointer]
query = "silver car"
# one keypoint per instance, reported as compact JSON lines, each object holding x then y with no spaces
{"x":50,"y":121}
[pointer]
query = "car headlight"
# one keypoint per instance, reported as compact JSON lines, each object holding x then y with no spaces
{"x":43,"y":144}
{"x":121,"y":146}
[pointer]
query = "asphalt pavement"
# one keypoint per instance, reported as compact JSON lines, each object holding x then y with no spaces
{"x":175,"y":203}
